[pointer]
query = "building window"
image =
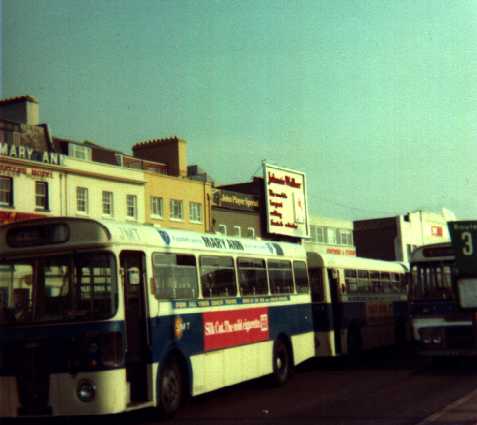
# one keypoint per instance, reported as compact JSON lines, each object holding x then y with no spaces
{"x":332,"y":236}
{"x":157,"y":206}
{"x":195,"y":212}
{"x":107,"y":203}
{"x":346,"y":237}
{"x":82,"y":200}
{"x":312,"y":233}
{"x":6,"y":192}
{"x":237,"y":231}
{"x":176,"y":210}
{"x":41,"y":196}
{"x":320,"y":235}
{"x":131,"y":205}
{"x":79,"y":151}
{"x":222,"y":229}
{"x":251,"y":232}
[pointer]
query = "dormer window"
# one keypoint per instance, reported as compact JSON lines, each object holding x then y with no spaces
{"x":79,"y":151}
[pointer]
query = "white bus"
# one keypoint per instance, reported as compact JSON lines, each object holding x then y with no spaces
{"x":358,"y":303}
{"x":439,"y":327}
{"x":101,"y":317}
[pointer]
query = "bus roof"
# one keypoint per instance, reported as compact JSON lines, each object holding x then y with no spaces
{"x":316,"y":259}
{"x":433,"y":252}
{"x":71,"y":231}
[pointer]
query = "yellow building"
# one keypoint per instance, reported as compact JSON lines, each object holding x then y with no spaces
{"x":173,"y":200}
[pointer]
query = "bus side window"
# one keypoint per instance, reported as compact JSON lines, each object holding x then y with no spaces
{"x":351,"y":281}
{"x":175,"y":276}
{"x":363,"y":282}
{"x":385,"y":282}
{"x":376,"y":286}
{"x":300,"y":272}
{"x":252,"y":276}
{"x":217,"y":276}
{"x":280,"y":275}
{"x":316,"y":283}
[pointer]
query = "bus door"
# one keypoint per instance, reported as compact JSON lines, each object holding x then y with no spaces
{"x":133,"y":279}
{"x":336,"y":307}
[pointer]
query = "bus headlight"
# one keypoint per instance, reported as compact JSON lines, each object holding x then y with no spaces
{"x":434,"y":336}
{"x":86,"y":390}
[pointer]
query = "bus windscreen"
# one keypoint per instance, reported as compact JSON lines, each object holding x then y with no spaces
{"x":432,"y":281}
{"x":58,"y":288}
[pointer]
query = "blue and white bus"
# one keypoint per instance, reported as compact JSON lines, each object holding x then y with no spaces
{"x":101,"y":317}
{"x":358,"y":303}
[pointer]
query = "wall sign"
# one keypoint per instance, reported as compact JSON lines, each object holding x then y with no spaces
{"x":25,"y":152}
{"x":234,"y":200}
{"x":12,"y":170}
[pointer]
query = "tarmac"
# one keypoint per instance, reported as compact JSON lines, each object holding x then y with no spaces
{"x":460,"y":412}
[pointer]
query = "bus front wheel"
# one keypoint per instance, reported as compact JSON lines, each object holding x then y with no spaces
{"x":282,"y":366}
{"x":171,"y":388}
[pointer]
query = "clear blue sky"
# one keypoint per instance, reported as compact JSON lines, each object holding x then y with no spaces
{"x":376,"y":101}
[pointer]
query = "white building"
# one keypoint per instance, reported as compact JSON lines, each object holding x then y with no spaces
{"x":394,"y":238}
{"x":102,"y":191}
{"x":36,"y":180}
{"x":331,"y":236}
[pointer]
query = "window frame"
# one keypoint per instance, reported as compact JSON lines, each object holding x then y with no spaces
{"x":9,"y":192}
{"x":195,"y":210}
{"x":177,"y":266}
{"x":111,"y":203}
{"x":172,"y":210}
{"x":251,"y":232}
{"x":154,"y":201}
{"x":271,"y":266}
{"x":251,"y":264}
{"x":237,"y":231}
{"x":204,"y":271}
{"x":80,"y":193}
{"x":132,"y":208}
{"x":44,"y":196}
{"x":222,"y":227}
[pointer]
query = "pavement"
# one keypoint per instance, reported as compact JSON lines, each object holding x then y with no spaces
{"x":460,"y":412}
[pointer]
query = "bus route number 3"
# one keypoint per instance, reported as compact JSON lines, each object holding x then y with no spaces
{"x":468,"y":248}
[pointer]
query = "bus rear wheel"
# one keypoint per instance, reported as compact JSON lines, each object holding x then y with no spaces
{"x":282,"y":366}
{"x":171,"y":388}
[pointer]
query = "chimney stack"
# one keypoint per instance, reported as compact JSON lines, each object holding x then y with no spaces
{"x":22,"y":110}
{"x":171,"y":151}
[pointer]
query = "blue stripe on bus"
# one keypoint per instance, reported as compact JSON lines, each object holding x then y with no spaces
{"x":60,"y":343}
{"x":290,"y":320}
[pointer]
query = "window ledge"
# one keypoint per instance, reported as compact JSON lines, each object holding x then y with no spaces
{"x":181,"y":220}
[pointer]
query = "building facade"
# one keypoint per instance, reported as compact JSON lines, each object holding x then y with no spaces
{"x":30,"y":169}
{"x":394,"y":238}
{"x":331,"y":236}
{"x":42,"y":176}
{"x":236,"y":214}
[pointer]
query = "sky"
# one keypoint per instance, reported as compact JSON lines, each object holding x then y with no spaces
{"x":376,"y":101}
